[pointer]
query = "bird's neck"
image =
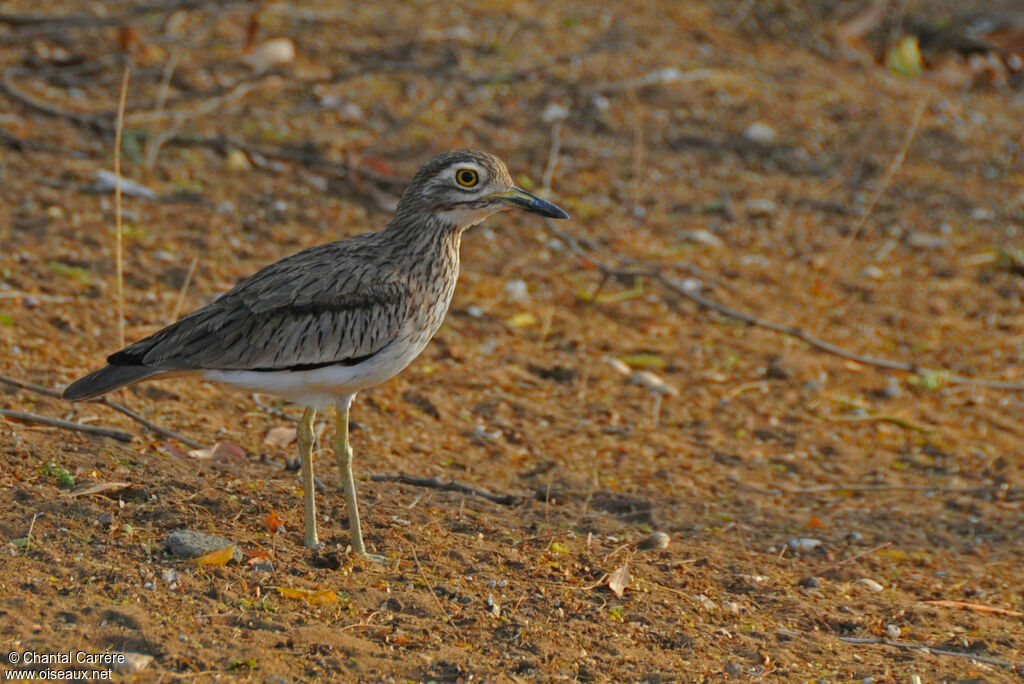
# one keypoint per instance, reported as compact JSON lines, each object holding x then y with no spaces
{"x":431,"y":242}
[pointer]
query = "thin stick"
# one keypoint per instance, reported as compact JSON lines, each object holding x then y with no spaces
{"x":977,"y":607}
{"x":909,"y":646}
{"x":556,"y":145}
{"x":184,"y":289}
{"x":164,"y":432}
{"x":31,"y":526}
{"x":894,"y":166}
{"x":858,"y":556}
{"x":827,"y":489}
{"x":118,"y":238}
{"x":23,"y":417}
{"x":633,"y":268}
{"x":450,"y":486}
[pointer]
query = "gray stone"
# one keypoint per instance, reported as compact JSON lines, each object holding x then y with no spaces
{"x":189,"y":544}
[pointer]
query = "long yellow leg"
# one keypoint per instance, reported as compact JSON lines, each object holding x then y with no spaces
{"x":305,"y":437}
{"x":344,"y":453}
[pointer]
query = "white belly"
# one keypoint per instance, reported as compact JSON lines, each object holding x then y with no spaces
{"x":321,"y":387}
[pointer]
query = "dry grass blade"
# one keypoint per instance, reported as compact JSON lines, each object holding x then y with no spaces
{"x":118,"y":233}
{"x":894,"y":166}
{"x":180,"y":301}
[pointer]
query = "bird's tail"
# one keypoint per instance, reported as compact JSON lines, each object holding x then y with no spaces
{"x":106,"y":379}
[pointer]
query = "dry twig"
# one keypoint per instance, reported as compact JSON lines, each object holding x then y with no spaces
{"x":633,"y":268}
{"x":24,"y":417}
{"x":153,"y":427}
{"x":911,"y":646}
{"x":834,"y":489}
{"x":450,"y":486}
{"x":977,"y":607}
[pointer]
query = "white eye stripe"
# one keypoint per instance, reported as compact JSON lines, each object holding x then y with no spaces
{"x":449,"y":173}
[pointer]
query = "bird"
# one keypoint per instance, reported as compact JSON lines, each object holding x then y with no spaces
{"x":320,"y":325}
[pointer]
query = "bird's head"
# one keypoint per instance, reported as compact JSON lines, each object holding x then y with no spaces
{"x":462,"y":188}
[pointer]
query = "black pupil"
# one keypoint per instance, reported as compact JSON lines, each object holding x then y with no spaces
{"x":467,"y":177}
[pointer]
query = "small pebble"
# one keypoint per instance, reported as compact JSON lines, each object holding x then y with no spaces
{"x":554,"y":112}
{"x":922,"y":240}
{"x":809,"y":583}
{"x":106,"y":519}
{"x":170,"y":576}
{"x":759,"y":207}
{"x":149,"y":585}
{"x":803,"y":544}
{"x":873,"y":272}
{"x":760,"y":133}
{"x":701,"y":236}
{"x":132,"y":663}
{"x":892,"y":631}
{"x":655,"y":541}
{"x":854,"y":537}
{"x":982,"y":214}
{"x":870,"y":584}
{"x":491,"y":583}
{"x":517,"y":291}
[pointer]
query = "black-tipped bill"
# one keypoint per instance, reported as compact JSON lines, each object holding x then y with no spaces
{"x":531,"y":203}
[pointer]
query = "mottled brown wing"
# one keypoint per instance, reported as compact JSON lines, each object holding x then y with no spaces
{"x":333,"y":304}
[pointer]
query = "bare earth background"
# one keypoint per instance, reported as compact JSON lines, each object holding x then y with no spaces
{"x":742,"y":146}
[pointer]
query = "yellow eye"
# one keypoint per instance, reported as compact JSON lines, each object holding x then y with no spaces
{"x":467,"y":178}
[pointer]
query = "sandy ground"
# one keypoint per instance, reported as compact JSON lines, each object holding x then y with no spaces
{"x":809,"y":499}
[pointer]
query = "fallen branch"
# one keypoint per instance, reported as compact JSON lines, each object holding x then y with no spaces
{"x":910,"y":646}
{"x":830,"y":489}
{"x":162,"y":431}
{"x":632,"y":268}
{"x":977,"y":607}
{"x":90,"y":121}
{"x":23,"y":417}
{"x":450,"y":486}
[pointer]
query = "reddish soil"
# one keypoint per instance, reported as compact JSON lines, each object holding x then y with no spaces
{"x":910,"y":484}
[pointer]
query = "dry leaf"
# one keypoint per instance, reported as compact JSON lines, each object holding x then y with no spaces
{"x":258,"y":557}
{"x":218,"y":558}
{"x":521,"y":320}
{"x":221,"y":452}
{"x":280,"y":436}
{"x":618,"y":581}
{"x":99,"y":487}
{"x":311,"y":597}
{"x":273,"y":522}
